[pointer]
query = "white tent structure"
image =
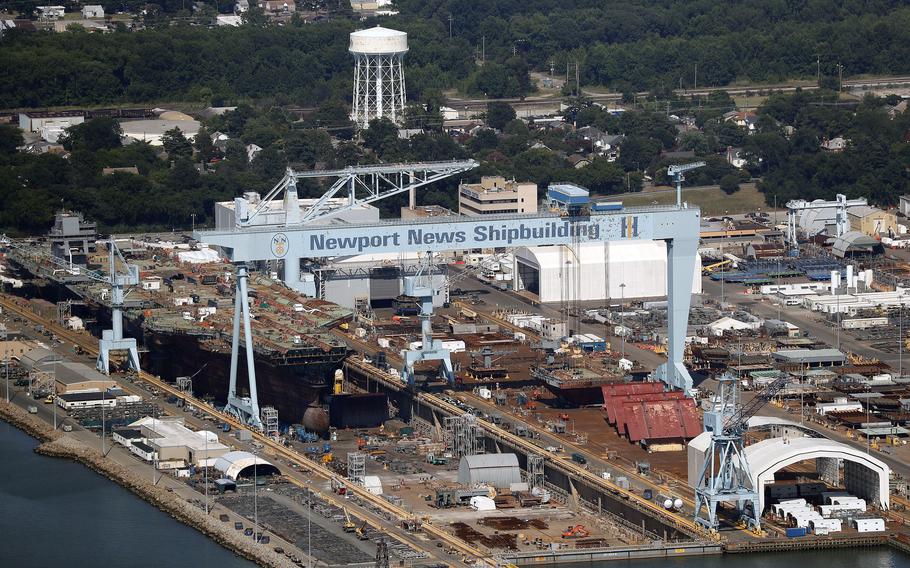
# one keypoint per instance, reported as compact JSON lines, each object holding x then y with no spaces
{"x":596,"y":271}
{"x":242,"y":464}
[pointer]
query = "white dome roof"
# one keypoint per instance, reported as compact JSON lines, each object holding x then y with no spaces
{"x":378,"y":40}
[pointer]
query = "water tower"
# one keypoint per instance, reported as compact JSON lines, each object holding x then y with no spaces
{"x":378,"y":74}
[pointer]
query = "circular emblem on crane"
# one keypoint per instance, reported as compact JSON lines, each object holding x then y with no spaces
{"x":279,"y":245}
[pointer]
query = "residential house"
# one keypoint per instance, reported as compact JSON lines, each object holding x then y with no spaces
{"x":448,"y":113}
{"x":744,"y":119}
{"x":578,"y":161}
{"x":50,"y":12}
{"x":836,"y":144}
{"x":252,"y":150}
{"x":241,"y":6}
{"x":277,"y":7}
{"x":90,"y":11}
{"x":736,"y":157}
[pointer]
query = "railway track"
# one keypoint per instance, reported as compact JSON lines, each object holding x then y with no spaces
{"x":88,"y":344}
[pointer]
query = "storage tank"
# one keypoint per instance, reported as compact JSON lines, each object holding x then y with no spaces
{"x":379,"y":88}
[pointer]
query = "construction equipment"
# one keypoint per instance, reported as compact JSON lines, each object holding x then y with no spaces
{"x":676,"y":171}
{"x":712,"y":267}
{"x":349,"y":525}
{"x":361,"y":531}
{"x":725,"y":476}
{"x":111,"y":339}
{"x":577,"y":531}
{"x":841,"y":221}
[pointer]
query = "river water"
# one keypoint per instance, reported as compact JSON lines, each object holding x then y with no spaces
{"x":55,"y":513}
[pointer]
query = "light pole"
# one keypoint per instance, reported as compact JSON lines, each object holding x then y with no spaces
{"x":6,"y":358}
{"x":54,"y":387}
{"x":102,"y":423}
{"x":255,"y":502}
{"x":193,"y":215}
{"x":207,"y":473}
{"x":868,"y":432}
{"x":622,"y":311}
{"x":900,"y":340}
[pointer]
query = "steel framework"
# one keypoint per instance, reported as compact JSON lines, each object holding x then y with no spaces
{"x":358,"y":184}
{"x":676,"y":171}
{"x":357,"y":467}
{"x":841,"y":221}
{"x":535,"y":471}
{"x":463,"y":436}
{"x":270,"y":421}
{"x":185,"y":384}
{"x":379,"y":89}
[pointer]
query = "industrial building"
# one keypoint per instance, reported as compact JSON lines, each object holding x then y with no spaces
{"x":175,"y":446}
{"x":86,"y":399}
{"x":50,"y":124}
{"x":495,"y":195}
{"x":498,"y":470}
{"x":72,"y":237}
{"x":153,"y":130}
{"x":70,"y":377}
{"x":612,"y":270}
{"x":872,"y":220}
{"x":375,"y":277}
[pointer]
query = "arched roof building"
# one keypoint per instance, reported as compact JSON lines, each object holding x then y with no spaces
{"x":237,"y":465}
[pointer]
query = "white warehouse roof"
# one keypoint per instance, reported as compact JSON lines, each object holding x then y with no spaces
{"x":773,"y":454}
{"x":232,"y":464}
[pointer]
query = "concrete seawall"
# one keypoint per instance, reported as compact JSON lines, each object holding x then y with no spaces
{"x":56,"y":444}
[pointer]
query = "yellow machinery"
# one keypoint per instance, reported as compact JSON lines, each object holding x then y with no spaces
{"x":349,"y":525}
{"x":338,"y":386}
{"x":712,"y":267}
{"x":327,"y":459}
{"x":361,"y":531}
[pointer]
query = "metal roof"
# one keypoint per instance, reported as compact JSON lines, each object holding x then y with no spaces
{"x":232,"y":464}
{"x":661,"y":420}
{"x":498,"y":470}
{"x":36,"y":356}
{"x":828,"y":355}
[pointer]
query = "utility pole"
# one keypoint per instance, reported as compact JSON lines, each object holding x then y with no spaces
{"x":483,"y":49}
{"x":577,"y":84}
{"x":193,"y":215}
{"x":818,"y":71}
{"x":696,"y":77}
{"x":450,"y":26}
{"x":840,"y":78}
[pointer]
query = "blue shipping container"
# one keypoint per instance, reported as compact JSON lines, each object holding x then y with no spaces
{"x":795,"y":532}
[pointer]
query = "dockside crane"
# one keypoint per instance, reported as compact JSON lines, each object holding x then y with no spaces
{"x":676,"y":172}
{"x":111,"y":339}
{"x":725,"y":475}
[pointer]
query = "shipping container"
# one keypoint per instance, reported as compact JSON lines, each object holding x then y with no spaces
{"x":795,"y":532}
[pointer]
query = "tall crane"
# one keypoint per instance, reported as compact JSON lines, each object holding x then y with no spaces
{"x":725,"y":476}
{"x":676,"y":171}
{"x":420,"y":286}
{"x":841,"y":220}
{"x":677,"y":226}
{"x":111,"y":339}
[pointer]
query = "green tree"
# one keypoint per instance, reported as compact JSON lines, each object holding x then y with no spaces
{"x":381,"y":136}
{"x":499,"y":114}
{"x":176,"y":145}
{"x":92,"y":135}
{"x":204,"y":146}
{"x":10,"y":139}
{"x":729,"y":184}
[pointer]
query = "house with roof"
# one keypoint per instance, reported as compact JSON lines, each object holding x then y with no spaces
{"x":836,"y":144}
{"x":90,"y":11}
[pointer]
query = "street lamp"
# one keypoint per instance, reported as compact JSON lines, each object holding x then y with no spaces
{"x":622,"y":310}
{"x":255,"y":502}
{"x":6,"y":357}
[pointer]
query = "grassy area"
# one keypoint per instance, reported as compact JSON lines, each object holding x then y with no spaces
{"x":711,"y":199}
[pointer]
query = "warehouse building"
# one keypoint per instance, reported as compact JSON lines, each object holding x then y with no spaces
{"x":872,"y":220}
{"x":596,"y":271}
{"x":71,"y":377}
{"x":176,"y":446}
{"x":498,"y":470}
{"x":94,"y":399}
{"x":378,"y":277}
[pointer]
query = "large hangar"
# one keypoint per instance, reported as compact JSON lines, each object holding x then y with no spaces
{"x":596,"y":271}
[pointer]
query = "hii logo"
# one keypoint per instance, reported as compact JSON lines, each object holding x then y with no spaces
{"x":630,"y":227}
{"x":279,"y":245}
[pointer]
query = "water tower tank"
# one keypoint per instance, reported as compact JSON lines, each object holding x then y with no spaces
{"x":379,"y":88}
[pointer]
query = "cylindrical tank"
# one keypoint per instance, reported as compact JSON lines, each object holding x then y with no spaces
{"x":378,"y":41}
{"x":677,"y":503}
{"x":315,"y":419}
